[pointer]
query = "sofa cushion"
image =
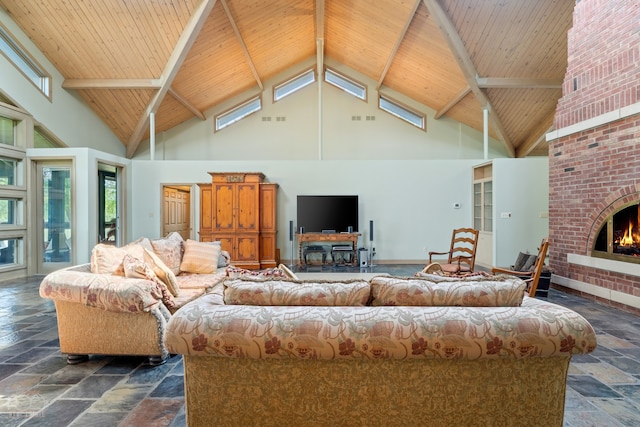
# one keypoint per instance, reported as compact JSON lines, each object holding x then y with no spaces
{"x":200,"y":257}
{"x":163,"y":272}
{"x":255,"y":291}
{"x":169,"y":250}
{"x":107,"y":259}
{"x":414,"y":291}
{"x":137,"y":269}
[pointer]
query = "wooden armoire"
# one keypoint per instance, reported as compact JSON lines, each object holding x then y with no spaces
{"x":239,"y":210}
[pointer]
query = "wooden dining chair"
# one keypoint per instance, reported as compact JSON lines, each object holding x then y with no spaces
{"x":461,"y":257}
{"x":531,"y":277}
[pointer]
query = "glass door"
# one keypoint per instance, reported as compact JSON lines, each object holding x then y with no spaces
{"x":54,"y":212}
{"x":108,"y":207}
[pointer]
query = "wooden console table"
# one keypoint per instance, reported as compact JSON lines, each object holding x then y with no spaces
{"x":329,"y":237}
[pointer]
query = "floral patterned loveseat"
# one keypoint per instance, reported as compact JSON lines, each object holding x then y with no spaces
{"x":120,"y":303}
{"x":391,"y":351}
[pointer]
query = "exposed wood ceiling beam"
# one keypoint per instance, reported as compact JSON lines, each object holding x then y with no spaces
{"x":320,"y":38}
{"x":461,"y":55}
{"x":180,"y":51}
{"x":112,"y":84}
{"x":189,"y":106}
{"x":459,"y":97}
{"x":394,"y":51}
{"x":242,"y":44}
{"x":518,"y":83}
{"x":538,"y":136}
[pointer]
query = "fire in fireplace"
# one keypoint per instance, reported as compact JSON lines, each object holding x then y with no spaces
{"x":619,"y":237}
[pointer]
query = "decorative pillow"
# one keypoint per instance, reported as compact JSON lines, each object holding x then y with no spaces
{"x":200,"y":257}
{"x":402,"y":291}
{"x":225,"y":258}
{"x":169,"y":250}
{"x":254,"y":291}
{"x":163,"y":272}
{"x":138,"y":269}
{"x":107,"y":259}
{"x":290,"y":274}
{"x":528,"y":265}
{"x":525,"y":262}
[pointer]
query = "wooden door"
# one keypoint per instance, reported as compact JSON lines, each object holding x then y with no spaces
{"x":176,"y":213}
{"x":223,"y":207}
{"x":248,"y":207}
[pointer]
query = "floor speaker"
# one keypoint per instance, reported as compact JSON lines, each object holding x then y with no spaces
{"x":371,"y":231}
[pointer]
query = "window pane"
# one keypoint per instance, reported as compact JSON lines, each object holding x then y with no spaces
{"x":238,"y":113}
{"x":8,"y":171}
{"x":40,"y":140}
{"x":7,"y":131}
{"x":293,"y":85}
{"x":23,"y":62}
{"x":57,"y":213}
{"x":488,"y":206}
{"x":346,"y":84}
{"x":402,"y":112}
{"x":10,"y":212}
{"x":9,"y":251}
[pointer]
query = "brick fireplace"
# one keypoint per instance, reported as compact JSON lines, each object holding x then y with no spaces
{"x":594,"y":153}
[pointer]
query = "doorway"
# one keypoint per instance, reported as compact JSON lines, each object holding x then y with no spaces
{"x":109,"y":206}
{"x":176,"y":210}
{"x":54,"y":210}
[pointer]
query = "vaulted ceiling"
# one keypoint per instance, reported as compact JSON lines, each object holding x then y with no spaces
{"x":179,"y":58}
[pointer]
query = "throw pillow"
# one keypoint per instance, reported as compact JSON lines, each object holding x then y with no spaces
{"x":255,"y":291}
{"x":107,"y":259}
{"x":137,"y":269}
{"x":224,"y":259}
{"x":200,"y":257}
{"x":169,"y":250}
{"x":528,"y":265}
{"x":163,"y":272}
{"x":403,"y":291}
{"x":288,"y":272}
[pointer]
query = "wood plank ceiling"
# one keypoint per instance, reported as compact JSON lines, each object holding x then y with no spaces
{"x":179,"y":58}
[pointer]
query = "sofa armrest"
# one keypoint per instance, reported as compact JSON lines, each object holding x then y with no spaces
{"x":103,"y":291}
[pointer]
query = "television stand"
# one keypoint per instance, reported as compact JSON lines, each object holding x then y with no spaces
{"x":334,"y":238}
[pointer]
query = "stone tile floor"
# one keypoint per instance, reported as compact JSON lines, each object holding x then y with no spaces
{"x":38,"y":388}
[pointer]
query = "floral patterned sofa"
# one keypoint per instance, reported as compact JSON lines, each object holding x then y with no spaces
{"x":120,"y":302}
{"x":392,"y":351}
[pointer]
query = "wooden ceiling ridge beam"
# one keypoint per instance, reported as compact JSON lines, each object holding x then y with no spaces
{"x":320,"y":16}
{"x":399,"y":40}
{"x":189,"y":106}
{"x":518,"y":83}
{"x":452,"y":37}
{"x":538,"y":135}
{"x":459,"y":97}
{"x":243,"y":45}
{"x":179,"y":54}
{"x":112,"y":83}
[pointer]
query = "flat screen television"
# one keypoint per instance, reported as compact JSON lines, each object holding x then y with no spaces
{"x":319,"y":214}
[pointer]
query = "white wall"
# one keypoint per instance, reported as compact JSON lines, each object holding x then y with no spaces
{"x":66,"y":115}
{"x":521,"y":189}
{"x":298,"y":136}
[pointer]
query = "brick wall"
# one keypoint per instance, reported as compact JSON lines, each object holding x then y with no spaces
{"x":595,"y":172}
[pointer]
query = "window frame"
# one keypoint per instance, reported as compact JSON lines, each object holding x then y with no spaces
{"x":29,"y":64}
{"x":348,"y":79}
{"x":291,"y":81}
{"x":403,"y":107}
{"x":230,"y":111}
